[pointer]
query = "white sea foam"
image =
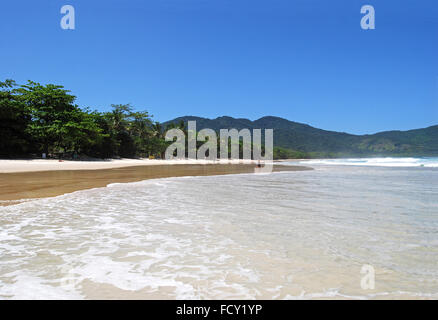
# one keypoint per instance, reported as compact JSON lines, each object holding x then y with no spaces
{"x":293,"y":235}
{"x":378,"y":162}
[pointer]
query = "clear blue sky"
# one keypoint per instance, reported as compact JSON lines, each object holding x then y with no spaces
{"x":304,"y":60}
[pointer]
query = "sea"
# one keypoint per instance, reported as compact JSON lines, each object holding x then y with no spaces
{"x":349,"y":229}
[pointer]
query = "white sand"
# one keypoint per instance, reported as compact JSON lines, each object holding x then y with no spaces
{"x":7,"y":166}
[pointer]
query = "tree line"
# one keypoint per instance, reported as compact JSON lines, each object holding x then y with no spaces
{"x":37,"y":119}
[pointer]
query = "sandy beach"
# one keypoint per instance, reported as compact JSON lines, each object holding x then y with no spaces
{"x":34,"y":165}
{"x":30,"y":179}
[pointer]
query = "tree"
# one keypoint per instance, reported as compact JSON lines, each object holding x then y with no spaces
{"x":118,"y":121}
{"x":130,"y":132}
{"x":158,"y":145}
{"x":14,"y":119}
{"x":81,"y":132}
{"x":51,"y":108}
{"x":141,"y":131}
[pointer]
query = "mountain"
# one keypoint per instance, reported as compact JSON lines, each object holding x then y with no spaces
{"x":308,"y":141}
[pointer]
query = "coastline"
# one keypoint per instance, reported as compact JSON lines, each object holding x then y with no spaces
{"x":45,"y":179}
{"x":36,"y":165}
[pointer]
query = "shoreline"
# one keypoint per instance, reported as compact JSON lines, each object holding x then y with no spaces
{"x":21,"y":186}
{"x":38,"y":165}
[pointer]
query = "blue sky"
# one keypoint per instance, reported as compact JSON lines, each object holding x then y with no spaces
{"x":304,"y":60}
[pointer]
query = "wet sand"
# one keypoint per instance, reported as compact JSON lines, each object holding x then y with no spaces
{"x":16,"y":187}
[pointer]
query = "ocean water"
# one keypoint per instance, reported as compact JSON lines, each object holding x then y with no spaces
{"x":287,"y":235}
{"x":379,"y":162}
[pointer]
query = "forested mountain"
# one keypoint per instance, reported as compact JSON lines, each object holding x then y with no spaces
{"x":308,"y":141}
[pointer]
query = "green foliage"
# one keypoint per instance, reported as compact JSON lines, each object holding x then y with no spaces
{"x":14,"y":119}
{"x":303,"y":141}
{"x":39,"y":119}
{"x":53,"y":115}
{"x":283,"y":153}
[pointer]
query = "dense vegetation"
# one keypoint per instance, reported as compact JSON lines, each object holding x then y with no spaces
{"x":36,"y":119}
{"x":297,"y":140}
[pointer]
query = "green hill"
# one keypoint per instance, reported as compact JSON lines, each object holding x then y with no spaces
{"x":302,"y":140}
